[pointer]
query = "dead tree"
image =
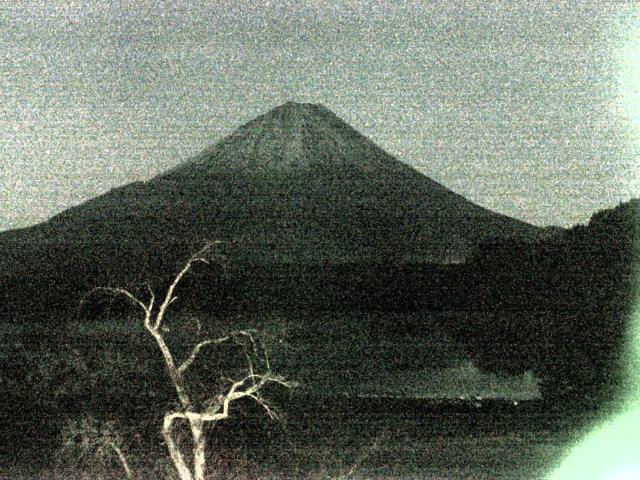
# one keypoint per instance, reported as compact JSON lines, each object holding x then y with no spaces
{"x":216,"y":408}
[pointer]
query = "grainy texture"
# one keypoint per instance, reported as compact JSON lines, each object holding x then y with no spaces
{"x":526,"y":108}
{"x":488,"y":365}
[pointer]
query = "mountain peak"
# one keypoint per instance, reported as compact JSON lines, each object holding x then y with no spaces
{"x":291,"y":136}
{"x":300,"y":106}
{"x":293,"y":115}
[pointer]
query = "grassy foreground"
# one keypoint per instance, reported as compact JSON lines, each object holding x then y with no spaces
{"x":110,"y":370}
{"x":326,"y":440}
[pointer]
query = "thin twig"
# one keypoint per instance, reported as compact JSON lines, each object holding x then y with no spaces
{"x":168,"y":298}
{"x":115,"y":291}
{"x":123,"y":460}
{"x":194,"y":353}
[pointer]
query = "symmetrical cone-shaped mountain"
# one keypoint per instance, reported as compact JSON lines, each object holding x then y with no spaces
{"x":299,"y":184}
{"x":294,"y":185}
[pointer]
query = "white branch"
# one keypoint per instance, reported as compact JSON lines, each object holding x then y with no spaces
{"x":174,"y":373}
{"x":282,"y":381}
{"x":116,"y":291}
{"x":152,"y":295}
{"x":169,"y":298}
{"x":235,"y":394}
{"x":174,"y":450}
{"x":270,"y":412}
{"x":123,"y":460}
{"x":216,"y":408}
{"x":194,"y":352}
{"x":199,"y":346}
{"x":266,"y":354}
{"x":152,"y":301}
{"x":248,"y":357}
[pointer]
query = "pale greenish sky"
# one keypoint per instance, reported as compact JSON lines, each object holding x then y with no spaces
{"x":531,"y":109}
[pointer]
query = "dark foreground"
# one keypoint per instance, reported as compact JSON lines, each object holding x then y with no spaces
{"x":331,"y":438}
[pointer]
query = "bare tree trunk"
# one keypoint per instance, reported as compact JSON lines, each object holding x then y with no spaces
{"x":174,"y":449}
{"x":172,"y":370}
{"x":199,"y":447}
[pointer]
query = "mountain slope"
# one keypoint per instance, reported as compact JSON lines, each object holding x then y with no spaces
{"x":295,"y":185}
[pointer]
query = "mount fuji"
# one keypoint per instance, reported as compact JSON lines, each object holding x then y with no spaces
{"x":296,"y":185}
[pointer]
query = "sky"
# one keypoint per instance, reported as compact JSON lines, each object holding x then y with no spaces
{"x":531,"y":109}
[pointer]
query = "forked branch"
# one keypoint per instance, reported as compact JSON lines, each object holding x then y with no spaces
{"x":169,"y":298}
{"x":216,"y":341}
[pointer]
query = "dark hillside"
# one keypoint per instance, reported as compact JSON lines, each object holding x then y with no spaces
{"x":573,"y":293}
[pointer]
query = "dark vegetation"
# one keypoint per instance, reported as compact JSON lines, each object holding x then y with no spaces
{"x":558,"y":307}
{"x":576,"y":292}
